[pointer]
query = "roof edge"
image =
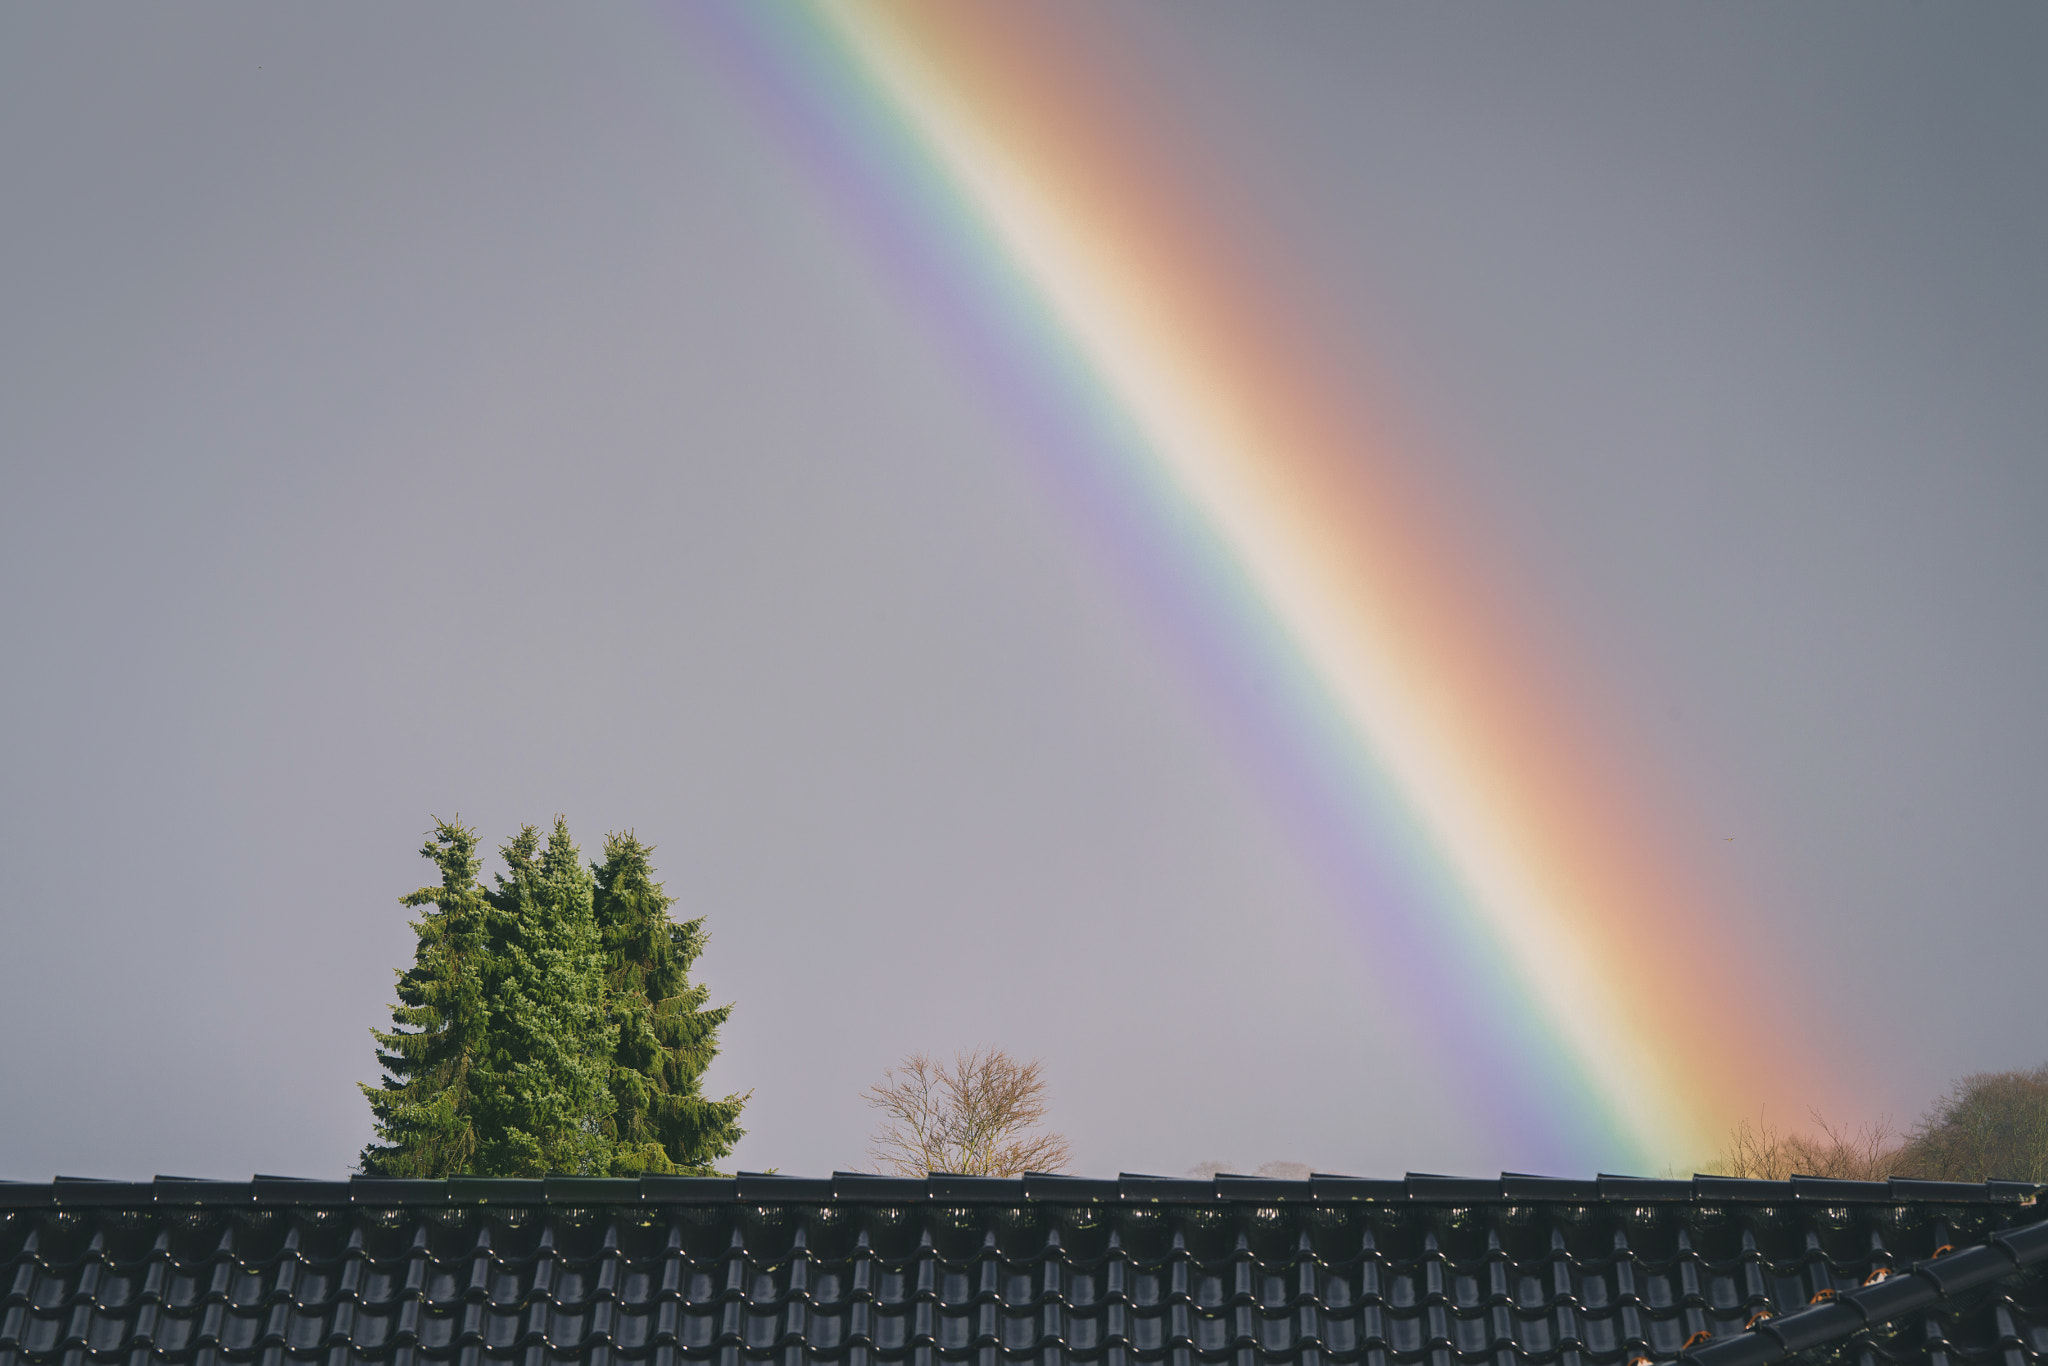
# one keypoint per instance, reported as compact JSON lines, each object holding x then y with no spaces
{"x":946,"y":1189}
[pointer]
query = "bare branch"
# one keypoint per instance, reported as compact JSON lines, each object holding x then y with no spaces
{"x":973,"y":1115}
{"x":1764,"y":1152}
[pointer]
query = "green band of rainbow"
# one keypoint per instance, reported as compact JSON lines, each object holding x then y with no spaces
{"x":1563,"y":965}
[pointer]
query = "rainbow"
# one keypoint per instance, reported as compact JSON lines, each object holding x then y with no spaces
{"x":1488,"y":848}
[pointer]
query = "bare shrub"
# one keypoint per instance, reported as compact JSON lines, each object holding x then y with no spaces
{"x":1763,"y":1152}
{"x":1278,"y":1171}
{"x":974,"y":1116}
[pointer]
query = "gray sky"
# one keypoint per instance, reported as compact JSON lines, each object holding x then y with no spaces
{"x":475,"y":410}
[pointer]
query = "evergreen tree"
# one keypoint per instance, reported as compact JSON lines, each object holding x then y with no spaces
{"x":666,"y":1036}
{"x":499,"y":1056}
{"x":539,"y":1093}
{"x":422,"y":1110}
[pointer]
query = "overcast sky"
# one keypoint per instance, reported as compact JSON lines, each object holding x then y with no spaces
{"x":474,"y":409}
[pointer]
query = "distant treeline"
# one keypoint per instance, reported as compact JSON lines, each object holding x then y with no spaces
{"x":1990,"y":1125}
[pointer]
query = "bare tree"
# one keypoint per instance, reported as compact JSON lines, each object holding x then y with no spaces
{"x":973,"y":1115}
{"x":1764,"y":1152}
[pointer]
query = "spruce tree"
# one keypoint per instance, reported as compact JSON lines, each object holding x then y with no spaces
{"x":666,"y":1036}
{"x":422,"y":1110}
{"x":539,"y":1093}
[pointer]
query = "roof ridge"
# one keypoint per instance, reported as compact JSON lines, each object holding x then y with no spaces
{"x":1512,"y":1188}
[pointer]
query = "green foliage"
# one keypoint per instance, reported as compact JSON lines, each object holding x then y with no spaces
{"x":1991,"y":1124}
{"x":547,"y":1024}
{"x":666,"y":1035}
{"x":539,"y":1091}
{"x":422,"y":1111}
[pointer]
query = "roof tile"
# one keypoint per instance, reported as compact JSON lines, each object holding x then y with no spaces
{"x":866,"y":1269}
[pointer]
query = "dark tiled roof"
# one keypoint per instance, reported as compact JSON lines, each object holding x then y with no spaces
{"x":1431,"y":1270}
